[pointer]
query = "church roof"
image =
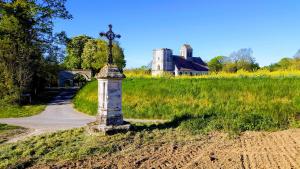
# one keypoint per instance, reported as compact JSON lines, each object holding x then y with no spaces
{"x":198,"y":60}
{"x":189,"y":65}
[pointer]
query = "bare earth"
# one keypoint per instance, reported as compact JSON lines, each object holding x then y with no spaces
{"x":251,"y":150}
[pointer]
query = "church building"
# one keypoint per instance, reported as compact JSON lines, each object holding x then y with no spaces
{"x":184,"y":64}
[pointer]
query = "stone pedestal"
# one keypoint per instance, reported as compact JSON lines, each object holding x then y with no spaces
{"x":109,"y":117}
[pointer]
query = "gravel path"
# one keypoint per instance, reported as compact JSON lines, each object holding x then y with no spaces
{"x":58,"y":115}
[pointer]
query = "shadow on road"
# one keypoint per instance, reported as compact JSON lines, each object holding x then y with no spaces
{"x":64,"y":96}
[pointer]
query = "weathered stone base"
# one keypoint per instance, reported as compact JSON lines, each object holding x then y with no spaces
{"x":95,"y":127}
{"x":112,"y":120}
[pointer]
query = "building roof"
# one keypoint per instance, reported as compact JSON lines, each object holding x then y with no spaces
{"x":189,"y":65}
{"x":187,"y":46}
{"x":162,"y":49}
{"x":198,"y":60}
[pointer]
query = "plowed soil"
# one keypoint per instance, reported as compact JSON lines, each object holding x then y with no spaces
{"x":250,"y":150}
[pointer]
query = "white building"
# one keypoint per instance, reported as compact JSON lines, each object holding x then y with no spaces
{"x":184,"y":64}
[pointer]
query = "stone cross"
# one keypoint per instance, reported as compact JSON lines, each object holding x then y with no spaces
{"x":110,"y":35}
{"x":110,"y":116}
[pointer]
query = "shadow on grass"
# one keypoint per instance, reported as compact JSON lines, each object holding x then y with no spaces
{"x":174,"y":123}
{"x":228,"y":122}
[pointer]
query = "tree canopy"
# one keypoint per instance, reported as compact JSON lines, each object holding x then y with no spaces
{"x":285,"y":64}
{"x":84,"y":52}
{"x":216,"y":64}
{"x":26,"y":35}
{"x":238,"y":60}
{"x":75,"y":48}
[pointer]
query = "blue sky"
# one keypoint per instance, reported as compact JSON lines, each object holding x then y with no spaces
{"x":212,"y":27}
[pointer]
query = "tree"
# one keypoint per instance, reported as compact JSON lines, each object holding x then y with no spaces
{"x":216,"y":64}
{"x":95,"y":53}
{"x":26,"y":34}
{"x":285,"y":63}
{"x":118,"y":56}
{"x":75,"y":48}
{"x":243,"y":59}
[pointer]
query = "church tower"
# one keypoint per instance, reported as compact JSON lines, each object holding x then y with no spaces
{"x":186,"y":51}
{"x":162,"y":61}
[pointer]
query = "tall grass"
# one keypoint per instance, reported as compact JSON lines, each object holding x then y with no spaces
{"x":87,"y":98}
{"x":224,"y":103}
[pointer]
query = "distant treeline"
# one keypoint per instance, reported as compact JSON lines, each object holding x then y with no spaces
{"x":241,"y":60}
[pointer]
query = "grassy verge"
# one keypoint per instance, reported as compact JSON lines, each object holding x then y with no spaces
{"x":231,"y":104}
{"x":8,"y":131}
{"x":39,"y":104}
{"x":8,"y":110}
{"x":86,"y":99}
{"x":76,"y":144}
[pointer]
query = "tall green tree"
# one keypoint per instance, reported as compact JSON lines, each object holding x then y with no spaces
{"x":95,"y":53}
{"x":285,"y":63}
{"x":216,"y":64}
{"x":26,"y":33}
{"x":242,"y":59}
{"x":75,"y":48}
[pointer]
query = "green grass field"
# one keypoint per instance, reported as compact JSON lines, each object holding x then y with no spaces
{"x":230,"y":104}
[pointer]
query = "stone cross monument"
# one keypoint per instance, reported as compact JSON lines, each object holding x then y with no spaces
{"x":110,"y":117}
